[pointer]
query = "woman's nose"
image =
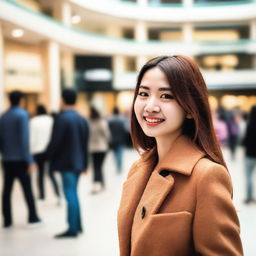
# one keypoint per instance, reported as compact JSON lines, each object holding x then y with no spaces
{"x":152,"y":106}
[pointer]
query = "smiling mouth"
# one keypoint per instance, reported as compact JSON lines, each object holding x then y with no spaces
{"x":153,"y":121}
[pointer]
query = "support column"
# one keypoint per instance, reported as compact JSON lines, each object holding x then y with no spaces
{"x":253,"y":37}
{"x":187,"y":3}
{"x":62,"y":12}
{"x":118,"y":69}
{"x":1,"y":69}
{"x":52,"y":89}
{"x":66,"y":13}
{"x":187,"y":31}
{"x":67,"y":66}
{"x":141,"y":36}
{"x":119,"y":64}
{"x":142,"y":3}
{"x":253,"y":30}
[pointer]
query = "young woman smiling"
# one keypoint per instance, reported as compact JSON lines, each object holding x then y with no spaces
{"x":177,"y":199}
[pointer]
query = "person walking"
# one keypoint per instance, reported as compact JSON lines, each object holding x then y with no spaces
{"x":68,"y":154}
{"x":249,"y":143}
{"x":117,"y":126}
{"x":233,"y":132}
{"x":177,"y":199}
{"x":40,"y":133}
{"x":99,"y":138}
{"x":17,"y":162}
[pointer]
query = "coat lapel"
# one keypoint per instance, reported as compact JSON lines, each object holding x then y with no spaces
{"x":133,"y":189}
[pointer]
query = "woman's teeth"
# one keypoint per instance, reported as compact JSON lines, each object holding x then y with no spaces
{"x":153,"y":120}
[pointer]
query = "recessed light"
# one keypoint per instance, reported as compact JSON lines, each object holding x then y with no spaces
{"x":76,"y":19}
{"x":17,"y":32}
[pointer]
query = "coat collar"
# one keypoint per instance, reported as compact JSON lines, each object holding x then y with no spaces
{"x":182,"y":157}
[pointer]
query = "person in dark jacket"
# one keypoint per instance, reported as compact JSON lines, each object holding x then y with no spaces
{"x":17,"y":161}
{"x":68,"y":153}
{"x":118,"y":137}
{"x":250,"y":154}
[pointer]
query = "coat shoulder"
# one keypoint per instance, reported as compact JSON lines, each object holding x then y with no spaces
{"x":207,"y":171}
{"x":133,"y":168}
{"x":205,"y":165}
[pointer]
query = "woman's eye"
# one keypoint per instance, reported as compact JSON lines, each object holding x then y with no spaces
{"x":167,"y":96}
{"x":143,"y":94}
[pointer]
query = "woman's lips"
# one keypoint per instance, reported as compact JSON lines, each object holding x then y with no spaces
{"x":153,"y":121}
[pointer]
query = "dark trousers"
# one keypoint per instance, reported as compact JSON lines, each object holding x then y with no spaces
{"x":19,"y":170}
{"x":97,"y":160}
{"x":70,"y":183}
{"x":232,"y":144}
{"x":41,"y":163}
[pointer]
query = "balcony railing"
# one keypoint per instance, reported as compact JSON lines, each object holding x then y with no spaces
{"x":84,"y":41}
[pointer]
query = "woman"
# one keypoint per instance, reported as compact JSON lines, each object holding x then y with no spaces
{"x":99,"y":137}
{"x":250,"y":155}
{"x":177,"y":199}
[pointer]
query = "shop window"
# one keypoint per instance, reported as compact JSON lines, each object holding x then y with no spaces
{"x":93,"y":73}
{"x":225,"y":62}
{"x":128,"y":33}
{"x":165,"y":34}
{"x":224,"y":33}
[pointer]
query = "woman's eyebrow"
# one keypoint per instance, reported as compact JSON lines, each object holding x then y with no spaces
{"x":144,"y":87}
{"x":165,"y":89}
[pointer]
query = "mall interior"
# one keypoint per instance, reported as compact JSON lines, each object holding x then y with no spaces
{"x":97,"y":47}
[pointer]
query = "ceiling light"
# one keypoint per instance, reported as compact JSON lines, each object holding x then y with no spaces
{"x":76,"y":19}
{"x":17,"y":32}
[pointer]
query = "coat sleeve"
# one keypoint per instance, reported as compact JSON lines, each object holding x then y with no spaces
{"x":216,"y":226}
{"x":24,"y":137}
{"x":86,"y":144}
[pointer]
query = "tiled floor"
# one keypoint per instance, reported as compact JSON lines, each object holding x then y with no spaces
{"x":99,"y":217}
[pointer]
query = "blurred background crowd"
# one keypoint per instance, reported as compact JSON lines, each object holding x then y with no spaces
{"x":96,"y":49}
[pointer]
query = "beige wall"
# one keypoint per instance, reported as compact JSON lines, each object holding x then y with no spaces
{"x":34,"y":80}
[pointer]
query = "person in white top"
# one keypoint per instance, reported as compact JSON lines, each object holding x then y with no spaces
{"x":40,"y":134}
{"x":98,"y":145}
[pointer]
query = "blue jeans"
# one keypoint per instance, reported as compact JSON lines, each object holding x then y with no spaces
{"x":118,"y":153}
{"x":70,"y":181}
{"x":250,"y":163}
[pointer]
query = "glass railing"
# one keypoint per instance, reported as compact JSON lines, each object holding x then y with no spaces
{"x":180,"y":4}
{"x":222,"y":3}
{"x":197,"y":3}
{"x":233,"y":42}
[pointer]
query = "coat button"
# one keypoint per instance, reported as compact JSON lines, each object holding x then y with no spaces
{"x":143,"y":212}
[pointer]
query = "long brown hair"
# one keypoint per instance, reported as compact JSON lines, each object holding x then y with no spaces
{"x":190,"y":91}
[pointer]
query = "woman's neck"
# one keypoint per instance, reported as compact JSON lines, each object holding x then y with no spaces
{"x":164,"y":144}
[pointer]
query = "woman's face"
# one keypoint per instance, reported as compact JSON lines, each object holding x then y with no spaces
{"x":157,"y":112}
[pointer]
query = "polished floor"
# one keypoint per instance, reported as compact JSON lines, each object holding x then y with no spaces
{"x":99,"y":217}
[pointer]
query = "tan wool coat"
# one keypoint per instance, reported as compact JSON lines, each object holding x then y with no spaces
{"x":182,"y":207}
